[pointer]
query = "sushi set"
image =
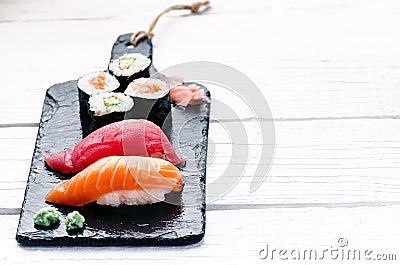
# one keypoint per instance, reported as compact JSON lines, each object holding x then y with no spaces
{"x":120,"y":158}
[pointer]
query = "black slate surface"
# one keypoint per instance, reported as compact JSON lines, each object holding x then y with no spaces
{"x":162,"y":223}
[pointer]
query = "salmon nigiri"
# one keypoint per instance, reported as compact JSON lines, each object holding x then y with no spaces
{"x":116,"y":180}
{"x":127,"y":137}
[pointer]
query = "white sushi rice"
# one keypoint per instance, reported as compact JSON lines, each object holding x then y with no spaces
{"x":141,"y":63}
{"x":133,"y":197}
{"x":98,"y":105}
{"x":111,"y":83}
{"x":164,"y":88}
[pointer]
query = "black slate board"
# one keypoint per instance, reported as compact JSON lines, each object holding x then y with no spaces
{"x":157,"y":224}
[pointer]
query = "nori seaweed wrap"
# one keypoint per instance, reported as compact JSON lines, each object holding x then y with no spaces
{"x":92,"y":84}
{"x":108,"y":107}
{"x":151,"y":102}
{"x":129,"y":67}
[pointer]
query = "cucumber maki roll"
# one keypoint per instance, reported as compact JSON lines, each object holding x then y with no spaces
{"x":108,"y":107}
{"x":129,"y":67}
{"x":92,"y":84}
{"x":152,"y":102}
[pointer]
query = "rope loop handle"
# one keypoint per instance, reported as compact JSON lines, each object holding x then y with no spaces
{"x":194,"y":8}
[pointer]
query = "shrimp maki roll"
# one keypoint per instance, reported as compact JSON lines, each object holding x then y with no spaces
{"x":152,"y":102}
{"x":129,"y":66}
{"x":97,"y":82}
{"x":92,"y":84}
{"x":108,"y":107}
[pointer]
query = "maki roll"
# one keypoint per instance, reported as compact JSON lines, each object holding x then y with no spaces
{"x":129,"y":66}
{"x":92,"y":84}
{"x":97,"y":82}
{"x":108,"y":107}
{"x":152,"y":102}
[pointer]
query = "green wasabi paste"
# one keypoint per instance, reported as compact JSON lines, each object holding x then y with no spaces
{"x":46,"y":216}
{"x":74,"y":220}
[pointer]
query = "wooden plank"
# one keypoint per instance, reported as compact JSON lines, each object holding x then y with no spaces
{"x":336,"y":75}
{"x":316,"y":34}
{"x":339,"y":161}
{"x":340,"y":95}
{"x":347,"y":68}
{"x":235,"y":236}
{"x":329,"y":72}
{"x":17,"y":143}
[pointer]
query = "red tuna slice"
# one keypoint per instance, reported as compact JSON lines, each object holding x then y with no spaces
{"x":127,"y":137}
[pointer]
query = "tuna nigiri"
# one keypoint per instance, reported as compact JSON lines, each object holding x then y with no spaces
{"x":116,"y":180}
{"x":127,"y":137}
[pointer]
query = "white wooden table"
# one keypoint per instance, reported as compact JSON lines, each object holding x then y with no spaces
{"x":329,"y":71}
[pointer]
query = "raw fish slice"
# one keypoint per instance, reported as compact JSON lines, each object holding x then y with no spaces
{"x":114,"y":180}
{"x":127,"y":137}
